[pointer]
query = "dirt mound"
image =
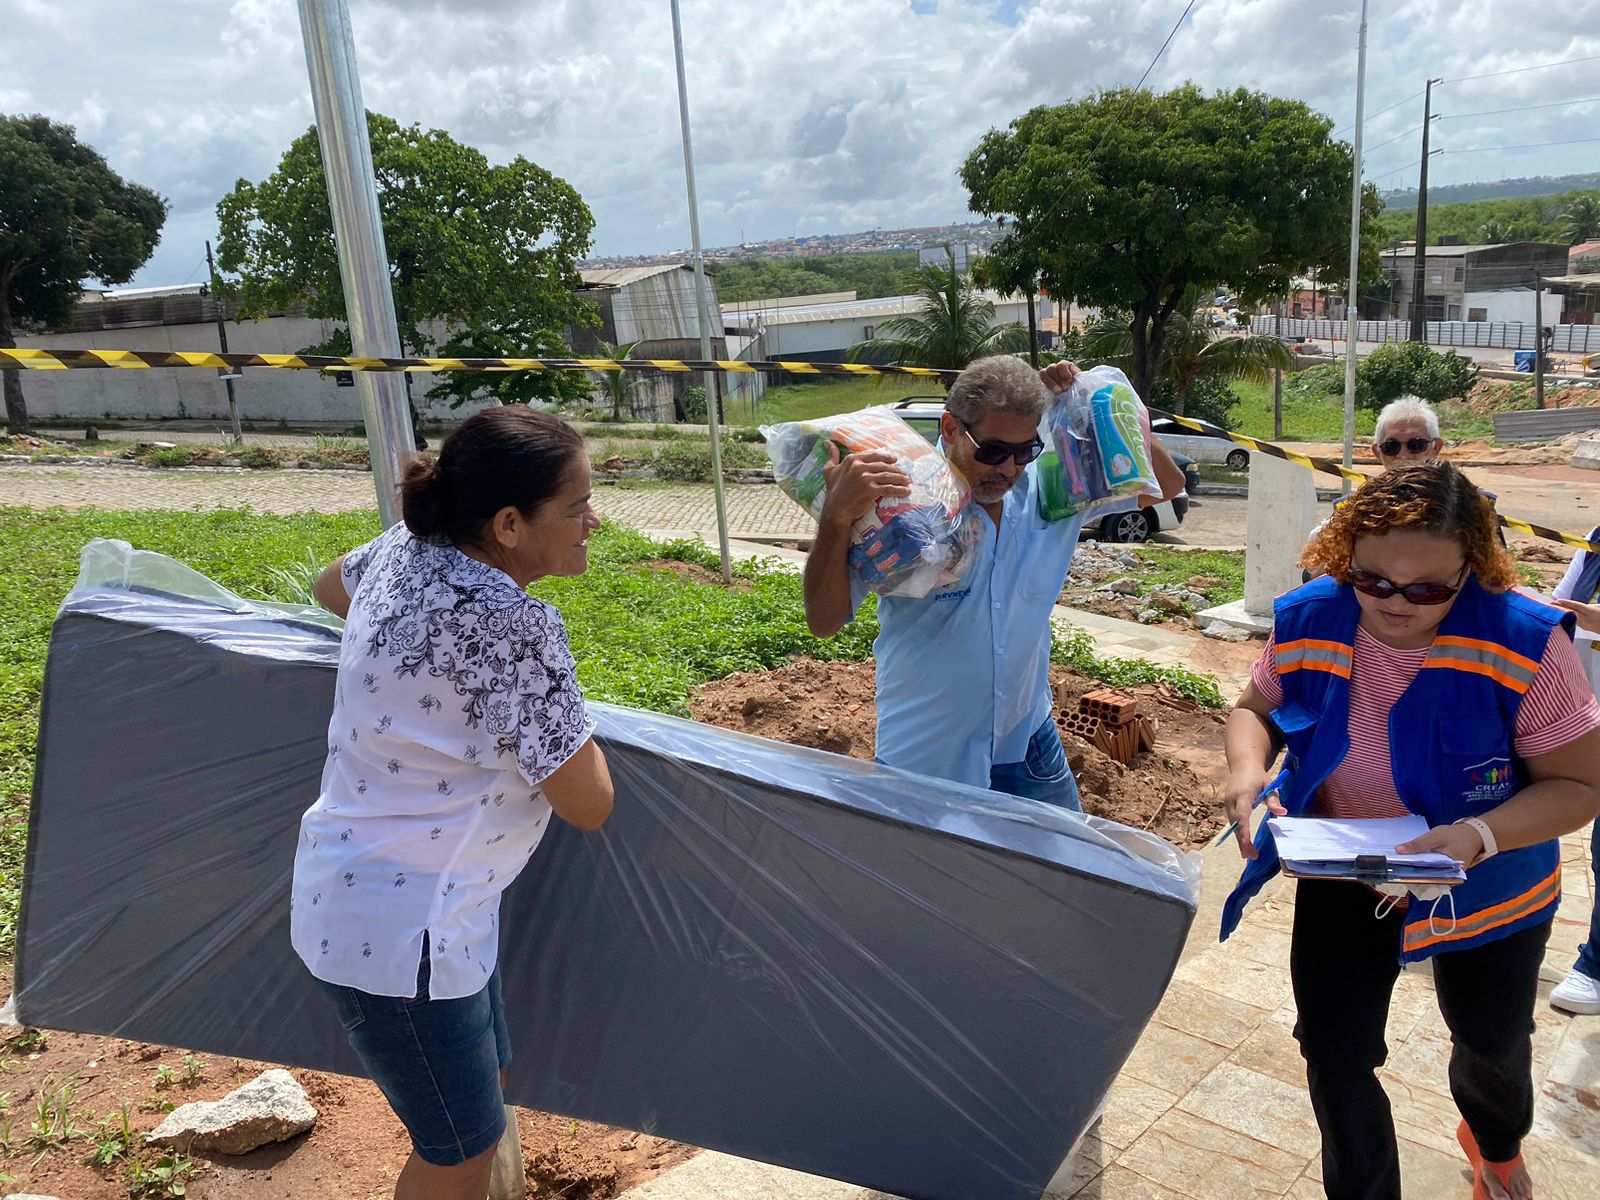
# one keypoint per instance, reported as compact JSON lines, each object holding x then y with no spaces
{"x":829,"y":706}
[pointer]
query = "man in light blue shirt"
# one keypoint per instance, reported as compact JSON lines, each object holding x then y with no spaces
{"x":963,"y":687}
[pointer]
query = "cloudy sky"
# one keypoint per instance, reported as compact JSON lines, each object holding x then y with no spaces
{"x":810,"y":116}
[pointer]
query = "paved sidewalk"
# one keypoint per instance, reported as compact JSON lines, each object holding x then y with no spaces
{"x":754,"y":510}
{"x":1212,"y":1104}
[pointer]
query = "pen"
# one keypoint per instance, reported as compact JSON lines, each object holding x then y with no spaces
{"x":1275,"y":785}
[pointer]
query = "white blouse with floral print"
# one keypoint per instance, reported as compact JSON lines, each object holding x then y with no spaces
{"x":456,"y":698}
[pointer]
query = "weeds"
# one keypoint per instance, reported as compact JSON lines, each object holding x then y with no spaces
{"x":1074,"y":649}
{"x":294,"y":584}
{"x":158,"y":1176}
{"x":53,"y":1124}
{"x":165,"y":1076}
{"x":111,"y":1140}
{"x":193,"y":1068}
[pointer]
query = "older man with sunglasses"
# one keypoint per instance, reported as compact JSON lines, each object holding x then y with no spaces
{"x":963,"y":692}
{"x":1407,"y":430}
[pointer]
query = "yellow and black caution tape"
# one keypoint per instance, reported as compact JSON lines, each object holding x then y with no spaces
{"x":63,"y":360}
{"x":1328,"y":467}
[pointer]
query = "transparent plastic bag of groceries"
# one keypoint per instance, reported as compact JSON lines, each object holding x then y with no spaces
{"x":905,"y":546}
{"x":1099,"y":447}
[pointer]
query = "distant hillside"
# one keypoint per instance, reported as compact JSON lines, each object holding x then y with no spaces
{"x":1512,"y":219}
{"x":1503,"y":189}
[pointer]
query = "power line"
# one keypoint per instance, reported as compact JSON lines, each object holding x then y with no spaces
{"x":1165,"y":44}
{"x":1397,"y":137}
{"x":1566,"y":62}
{"x":1491,"y":112}
{"x":1379,"y":113}
{"x":1523,"y":146}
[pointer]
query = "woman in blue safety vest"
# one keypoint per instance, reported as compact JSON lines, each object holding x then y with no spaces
{"x":1411,"y":678}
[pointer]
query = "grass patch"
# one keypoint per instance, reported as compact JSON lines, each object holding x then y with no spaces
{"x":1306,"y":418}
{"x":1162,"y":566}
{"x":1074,"y":649}
{"x":805,"y":401}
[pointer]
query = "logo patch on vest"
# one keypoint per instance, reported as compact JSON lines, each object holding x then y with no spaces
{"x":1490,"y":782}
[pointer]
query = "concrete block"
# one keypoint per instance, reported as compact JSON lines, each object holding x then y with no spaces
{"x":1587,"y":454}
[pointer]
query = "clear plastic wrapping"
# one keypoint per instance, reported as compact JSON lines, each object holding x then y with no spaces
{"x":906,"y":546}
{"x":1099,"y":451}
{"x":781,"y":953}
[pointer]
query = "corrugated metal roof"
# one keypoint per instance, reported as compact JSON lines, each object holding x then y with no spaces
{"x":623,"y":276}
{"x":1457,"y":251}
{"x":853,"y":310}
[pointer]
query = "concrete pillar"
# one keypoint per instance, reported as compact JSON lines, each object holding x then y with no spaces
{"x":1282,"y":512}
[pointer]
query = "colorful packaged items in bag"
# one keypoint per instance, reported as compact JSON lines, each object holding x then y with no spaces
{"x":1099,"y":447}
{"x":906,"y":545}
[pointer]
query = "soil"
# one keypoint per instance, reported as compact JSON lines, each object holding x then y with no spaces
{"x":355,"y":1150}
{"x":695,"y":573}
{"x":1172,"y":790}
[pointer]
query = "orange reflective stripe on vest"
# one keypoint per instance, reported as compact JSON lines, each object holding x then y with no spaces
{"x":1506,"y":667}
{"x":1419,"y":933}
{"x":1313,"y":654}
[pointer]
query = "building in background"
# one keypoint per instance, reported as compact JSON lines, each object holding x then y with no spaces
{"x":1475,"y":283}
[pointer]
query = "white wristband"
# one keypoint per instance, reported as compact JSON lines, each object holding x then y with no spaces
{"x":1490,"y":846}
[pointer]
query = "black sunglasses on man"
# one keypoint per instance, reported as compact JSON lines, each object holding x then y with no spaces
{"x":992,"y":453}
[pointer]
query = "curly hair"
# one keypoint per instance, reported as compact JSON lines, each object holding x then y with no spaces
{"x":1429,"y":497}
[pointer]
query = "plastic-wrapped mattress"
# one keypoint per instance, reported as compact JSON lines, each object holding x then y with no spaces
{"x":780,"y":953}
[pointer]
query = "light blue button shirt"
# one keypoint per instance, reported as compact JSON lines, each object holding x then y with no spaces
{"x":963,"y":673}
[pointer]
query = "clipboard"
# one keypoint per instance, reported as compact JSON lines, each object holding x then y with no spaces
{"x":1374,"y":869}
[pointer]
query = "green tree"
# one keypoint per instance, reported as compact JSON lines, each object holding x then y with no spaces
{"x":1192,"y":351}
{"x":953,"y":325}
{"x":65,"y":216}
{"x":1127,"y":199}
{"x":1581,"y":220}
{"x":1492,"y":233}
{"x":490,"y":251}
{"x":616,"y":386}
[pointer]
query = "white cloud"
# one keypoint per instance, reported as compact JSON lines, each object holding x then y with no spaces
{"x":809,"y":115}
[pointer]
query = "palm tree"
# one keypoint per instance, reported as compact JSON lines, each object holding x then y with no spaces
{"x":616,"y":386}
{"x":1581,"y":220}
{"x":1192,"y":350}
{"x":953,"y":325}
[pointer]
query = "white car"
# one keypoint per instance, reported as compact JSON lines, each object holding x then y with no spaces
{"x":1201,"y":447}
{"x":1134,"y":525}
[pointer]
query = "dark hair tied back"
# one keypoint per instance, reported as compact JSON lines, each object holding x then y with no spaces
{"x":508,"y":456}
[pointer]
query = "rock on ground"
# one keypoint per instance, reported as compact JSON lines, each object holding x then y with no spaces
{"x":272,"y":1107}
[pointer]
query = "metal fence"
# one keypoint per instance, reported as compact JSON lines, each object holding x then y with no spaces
{"x":1487,"y":335}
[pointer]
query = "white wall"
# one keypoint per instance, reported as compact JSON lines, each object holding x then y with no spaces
{"x":266,"y":394}
{"x":1513,"y":306}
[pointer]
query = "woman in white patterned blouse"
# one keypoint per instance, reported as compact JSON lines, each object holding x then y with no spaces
{"x":457,"y":729}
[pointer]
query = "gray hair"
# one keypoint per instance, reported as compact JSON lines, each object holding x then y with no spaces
{"x":1002,"y":384}
{"x":1407,"y":408}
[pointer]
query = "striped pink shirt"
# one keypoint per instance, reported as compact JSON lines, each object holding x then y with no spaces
{"x":1557,"y":709}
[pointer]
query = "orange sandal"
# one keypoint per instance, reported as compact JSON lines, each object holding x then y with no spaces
{"x":1502,"y":1170}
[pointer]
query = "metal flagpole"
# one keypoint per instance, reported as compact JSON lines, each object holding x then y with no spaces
{"x":358,"y":232}
{"x":1352,"y":312}
{"x":701,"y":301}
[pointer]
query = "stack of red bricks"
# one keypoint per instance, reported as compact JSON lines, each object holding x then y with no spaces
{"x":1110,"y":721}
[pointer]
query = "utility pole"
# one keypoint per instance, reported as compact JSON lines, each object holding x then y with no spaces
{"x":1033,"y":329}
{"x":1419,"y":276}
{"x":702,"y":302}
{"x":1277,"y":385}
{"x":222,"y":339}
{"x":1355,"y":253}
{"x":1538,"y":339}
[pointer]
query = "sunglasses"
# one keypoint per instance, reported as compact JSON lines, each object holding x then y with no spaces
{"x":1391,"y":447}
{"x":992,"y":453}
{"x":1414,"y":593}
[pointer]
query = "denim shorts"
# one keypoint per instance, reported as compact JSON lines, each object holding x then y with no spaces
{"x":437,"y":1062}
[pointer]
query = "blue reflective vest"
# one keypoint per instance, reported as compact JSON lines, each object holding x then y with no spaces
{"x":1451,"y":737}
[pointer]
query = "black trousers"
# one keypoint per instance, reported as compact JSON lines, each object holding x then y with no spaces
{"x":1344,"y":963}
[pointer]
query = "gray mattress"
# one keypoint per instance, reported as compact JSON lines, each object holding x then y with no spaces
{"x":780,"y":953}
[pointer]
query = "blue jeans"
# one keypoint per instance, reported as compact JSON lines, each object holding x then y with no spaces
{"x":1043,"y":775}
{"x":1589,"y":953}
{"x":437,"y":1062}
